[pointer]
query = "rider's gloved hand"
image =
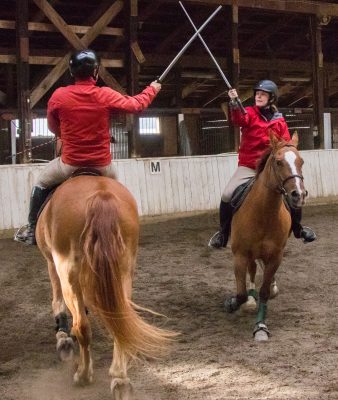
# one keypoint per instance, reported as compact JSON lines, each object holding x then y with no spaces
{"x":156,"y":85}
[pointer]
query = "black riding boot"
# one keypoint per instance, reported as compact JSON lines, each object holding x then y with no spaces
{"x":301,"y":232}
{"x":220,"y":238}
{"x":38,"y":196}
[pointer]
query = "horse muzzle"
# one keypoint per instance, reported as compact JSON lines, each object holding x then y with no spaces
{"x":297,"y":198}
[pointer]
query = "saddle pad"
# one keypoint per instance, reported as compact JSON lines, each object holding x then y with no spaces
{"x":240,"y":194}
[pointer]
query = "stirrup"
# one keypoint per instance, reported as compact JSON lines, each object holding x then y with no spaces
{"x":217,"y":240}
{"x":22,"y":235}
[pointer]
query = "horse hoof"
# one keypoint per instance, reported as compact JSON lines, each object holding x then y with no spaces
{"x":273,"y":291}
{"x":81,"y":380}
{"x":261,"y":332}
{"x":64,"y":346}
{"x":249,"y":307}
{"x":121,"y":389}
{"x":261,"y":336}
{"x":231,"y":304}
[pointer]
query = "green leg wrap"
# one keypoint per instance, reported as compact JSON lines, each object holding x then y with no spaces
{"x":261,"y":315}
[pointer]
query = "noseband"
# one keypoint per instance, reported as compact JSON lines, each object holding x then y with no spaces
{"x":281,"y":182}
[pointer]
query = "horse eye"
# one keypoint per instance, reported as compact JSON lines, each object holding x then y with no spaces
{"x":279,"y":163}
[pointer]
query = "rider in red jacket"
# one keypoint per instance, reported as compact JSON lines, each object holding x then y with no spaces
{"x":80,"y":115}
{"x":255,"y":126}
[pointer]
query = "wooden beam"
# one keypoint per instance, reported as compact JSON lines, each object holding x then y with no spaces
{"x":44,"y":60}
{"x":247,"y":63}
{"x":22,"y":46}
{"x":290,"y":6}
{"x":3,"y":98}
{"x":138,"y":52}
{"x":192,"y":87}
{"x":250,"y":63}
{"x":101,"y":7}
{"x":10,"y":85}
{"x":79,"y":44}
{"x":259,"y":37}
{"x":132,"y":73}
{"x":318,"y":79}
{"x":43,"y":27}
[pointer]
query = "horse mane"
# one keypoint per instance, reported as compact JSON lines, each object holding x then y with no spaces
{"x":265,"y":156}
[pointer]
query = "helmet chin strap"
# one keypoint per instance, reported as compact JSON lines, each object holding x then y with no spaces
{"x":271,"y":99}
{"x":96,"y":74}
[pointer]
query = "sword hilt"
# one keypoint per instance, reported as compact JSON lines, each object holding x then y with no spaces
{"x":240,"y":105}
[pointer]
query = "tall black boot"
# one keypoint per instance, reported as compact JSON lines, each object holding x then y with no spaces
{"x":38,"y":196}
{"x":220,"y":238}
{"x":300,"y":232}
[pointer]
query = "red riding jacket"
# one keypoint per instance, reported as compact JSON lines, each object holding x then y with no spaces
{"x":255,"y":133}
{"x":80,"y":115}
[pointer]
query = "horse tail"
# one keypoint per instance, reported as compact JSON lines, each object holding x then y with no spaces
{"x":105,"y":257}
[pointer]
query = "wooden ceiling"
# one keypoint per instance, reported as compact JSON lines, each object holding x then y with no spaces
{"x":274,"y":42}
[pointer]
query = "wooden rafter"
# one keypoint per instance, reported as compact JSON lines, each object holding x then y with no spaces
{"x":182,"y":30}
{"x":192,"y":87}
{"x":267,"y":31}
{"x":45,"y":60}
{"x":43,"y":27}
{"x":77,"y":43}
{"x":302,"y":7}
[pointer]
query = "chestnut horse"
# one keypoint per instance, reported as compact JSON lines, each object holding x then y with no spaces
{"x":88,"y":233}
{"x":262,"y":225}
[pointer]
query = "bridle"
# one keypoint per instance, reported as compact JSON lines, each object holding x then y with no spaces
{"x":281,"y":182}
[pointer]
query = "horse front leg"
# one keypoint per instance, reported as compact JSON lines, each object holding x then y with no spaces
{"x":250,"y":305}
{"x":234,"y":303}
{"x":273,"y":287}
{"x":261,"y":332}
{"x":64,"y":343}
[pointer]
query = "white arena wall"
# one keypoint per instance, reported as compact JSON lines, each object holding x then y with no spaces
{"x":167,"y":185}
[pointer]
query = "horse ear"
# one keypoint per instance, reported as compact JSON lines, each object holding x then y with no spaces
{"x":273,"y":139}
{"x":295,"y":139}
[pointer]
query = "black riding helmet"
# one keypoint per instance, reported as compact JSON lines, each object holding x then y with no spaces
{"x":268,"y":87}
{"x":84,"y":64}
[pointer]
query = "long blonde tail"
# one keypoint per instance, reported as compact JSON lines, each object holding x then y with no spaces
{"x":103,"y":248}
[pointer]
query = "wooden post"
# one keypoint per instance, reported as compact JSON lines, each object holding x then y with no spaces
{"x":132,"y":70}
{"x":24,"y":109}
{"x":233,"y":63}
{"x":318,"y":80}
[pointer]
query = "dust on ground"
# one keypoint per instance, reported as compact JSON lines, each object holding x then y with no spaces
{"x":215,"y":356}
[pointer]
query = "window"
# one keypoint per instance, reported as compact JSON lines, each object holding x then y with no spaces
{"x":149,"y":126}
{"x":40,"y":128}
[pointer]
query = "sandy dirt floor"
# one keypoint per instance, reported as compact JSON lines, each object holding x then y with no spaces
{"x":215,"y":357}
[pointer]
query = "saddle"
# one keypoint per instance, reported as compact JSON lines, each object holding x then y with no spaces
{"x":240,"y":194}
{"x":242,"y":191}
{"x":78,"y":172}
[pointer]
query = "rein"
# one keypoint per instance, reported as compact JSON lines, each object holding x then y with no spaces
{"x":281,"y":182}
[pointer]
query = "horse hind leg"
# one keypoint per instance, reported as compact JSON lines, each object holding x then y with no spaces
{"x":81,"y":328}
{"x":64,"y":343}
{"x":120,"y":386}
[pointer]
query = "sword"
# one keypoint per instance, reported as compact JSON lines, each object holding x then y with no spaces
{"x":237,"y":99}
{"x":174,"y":61}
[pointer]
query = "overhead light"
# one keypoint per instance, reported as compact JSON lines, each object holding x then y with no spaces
{"x":295,"y":79}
